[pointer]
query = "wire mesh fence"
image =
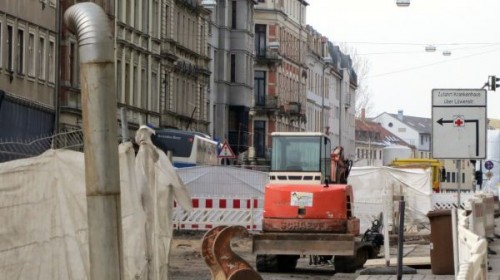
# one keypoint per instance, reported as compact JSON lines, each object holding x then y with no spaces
{"x":11,"y":149}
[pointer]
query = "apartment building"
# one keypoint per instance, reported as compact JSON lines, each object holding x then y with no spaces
{"x":231,"y":49}
{"x":372,"y":139}
{"x":185,"y":97}
{"x":162,"y":74}
{"x":28,"y":40}
{"x":331,"y":86}
{"x":280,"y":73}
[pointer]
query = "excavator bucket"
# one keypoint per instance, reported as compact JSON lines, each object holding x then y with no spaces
{"x":223,"y":263}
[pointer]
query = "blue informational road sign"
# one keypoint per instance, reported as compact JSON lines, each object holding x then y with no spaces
{"x":488,"y":164}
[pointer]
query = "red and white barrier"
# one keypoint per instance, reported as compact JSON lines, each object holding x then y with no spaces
{"x":211,"y":212}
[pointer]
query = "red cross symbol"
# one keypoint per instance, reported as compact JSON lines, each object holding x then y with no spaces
{"x":459,"y":122}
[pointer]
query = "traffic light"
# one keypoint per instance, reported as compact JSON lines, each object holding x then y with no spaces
{"x":492,"y":82}
{"x":479,"y":177}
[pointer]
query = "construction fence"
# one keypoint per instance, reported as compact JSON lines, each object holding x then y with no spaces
{"x":12,"y":149}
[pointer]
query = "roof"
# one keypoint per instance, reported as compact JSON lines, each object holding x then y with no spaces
{"x":292,"y":133}
{"x":421,"y":125}
{"x":372,"y":132}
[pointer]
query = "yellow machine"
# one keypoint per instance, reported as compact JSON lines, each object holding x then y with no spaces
{"x":434,"y":164}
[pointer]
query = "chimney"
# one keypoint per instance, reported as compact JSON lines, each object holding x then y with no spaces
{"x":400,"y":115}
{"x":363,"y":112}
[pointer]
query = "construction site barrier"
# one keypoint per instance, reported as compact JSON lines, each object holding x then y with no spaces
{"x":473,"y":226}
{"x":209,"y":212}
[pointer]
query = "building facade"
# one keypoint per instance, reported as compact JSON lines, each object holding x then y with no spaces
{"x":231,"y":50}
{"x":371,"y":140}
{"x":184,"y":97}
{"x":162,"y":66}
{"x":280,"y":73}
{"x":28,"y":67}
{"x":415,"y":131}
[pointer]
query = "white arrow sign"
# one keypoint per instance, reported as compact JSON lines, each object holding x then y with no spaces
{"x":459,"y":123}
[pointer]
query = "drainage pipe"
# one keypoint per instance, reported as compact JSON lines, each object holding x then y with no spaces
{"x":95,"y":40}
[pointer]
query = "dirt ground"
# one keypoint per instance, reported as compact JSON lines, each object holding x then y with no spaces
{"x":186,"y":262}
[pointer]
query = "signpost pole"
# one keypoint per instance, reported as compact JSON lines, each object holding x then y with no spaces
{"x":459,"y":185}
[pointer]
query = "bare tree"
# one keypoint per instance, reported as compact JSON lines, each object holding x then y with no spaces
{"x":362,"y":67}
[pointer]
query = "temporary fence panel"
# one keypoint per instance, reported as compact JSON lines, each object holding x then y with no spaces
{"x":472,"y":245}
{"x":449,"y":200}
{"x":389,"y":183}
{"x":478,"y":221}
{"x":476,"y":267}
{"x":209,"y":212}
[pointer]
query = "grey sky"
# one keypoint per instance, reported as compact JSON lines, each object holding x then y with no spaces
{"x":393,"y":39}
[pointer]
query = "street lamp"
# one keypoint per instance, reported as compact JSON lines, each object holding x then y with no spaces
{"x":327,"y":60}
{"x":403,"y":3}
{"x":430,"y":48}
{"x":209,"y":3}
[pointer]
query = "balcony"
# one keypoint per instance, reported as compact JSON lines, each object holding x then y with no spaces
{"x":269,"y":57}
{"x":269,"y":104}
{"x":293,"y":108}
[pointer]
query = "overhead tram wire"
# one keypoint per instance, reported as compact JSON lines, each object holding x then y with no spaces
{"x":430,"y":64}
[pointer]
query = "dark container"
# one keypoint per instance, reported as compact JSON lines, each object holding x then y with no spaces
{"x":441,"y":242}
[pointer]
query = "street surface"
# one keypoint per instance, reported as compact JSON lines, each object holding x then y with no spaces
{"x":186,"y":262}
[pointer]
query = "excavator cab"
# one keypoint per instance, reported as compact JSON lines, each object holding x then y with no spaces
{"x":300,"y":157}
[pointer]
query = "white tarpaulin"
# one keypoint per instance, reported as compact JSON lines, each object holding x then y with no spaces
{"x":44,"y":217}
{"x":213,"y":181}
{"x":374,"y":189}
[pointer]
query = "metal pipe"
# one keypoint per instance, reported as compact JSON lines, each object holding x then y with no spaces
{"x":95,"y":39}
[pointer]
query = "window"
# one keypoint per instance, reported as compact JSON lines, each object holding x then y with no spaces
{"x":73,"y":65}
{"x":145,"y":17}
{"x":20,"y":51}
{"x":119,"y":10}
{"x":41,"y":58}
{"x":10,"y":48}
{"x":259,"y":88}
{"x":144,"y":89}
{"x":259,"y":138}
{"x":154,"y":88}
{"x":155,"y":18}
{"x":118,"y":80}
{"x":167,"y":20}
{"x":127,"y":83}
{"x":31,"y":55}
{"x":421,"y":139}
{"x":1,"y":44}
{"x":136,"y":14}
{"x":52,"y":62}
{"x":135,"y":100}
{"x":233,"y":15}
{"x":128,"y":11}
{"x":260,"y":40}
{"x":233,"y":68}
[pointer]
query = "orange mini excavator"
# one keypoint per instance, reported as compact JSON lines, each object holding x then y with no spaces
{"x":308,"y":207}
